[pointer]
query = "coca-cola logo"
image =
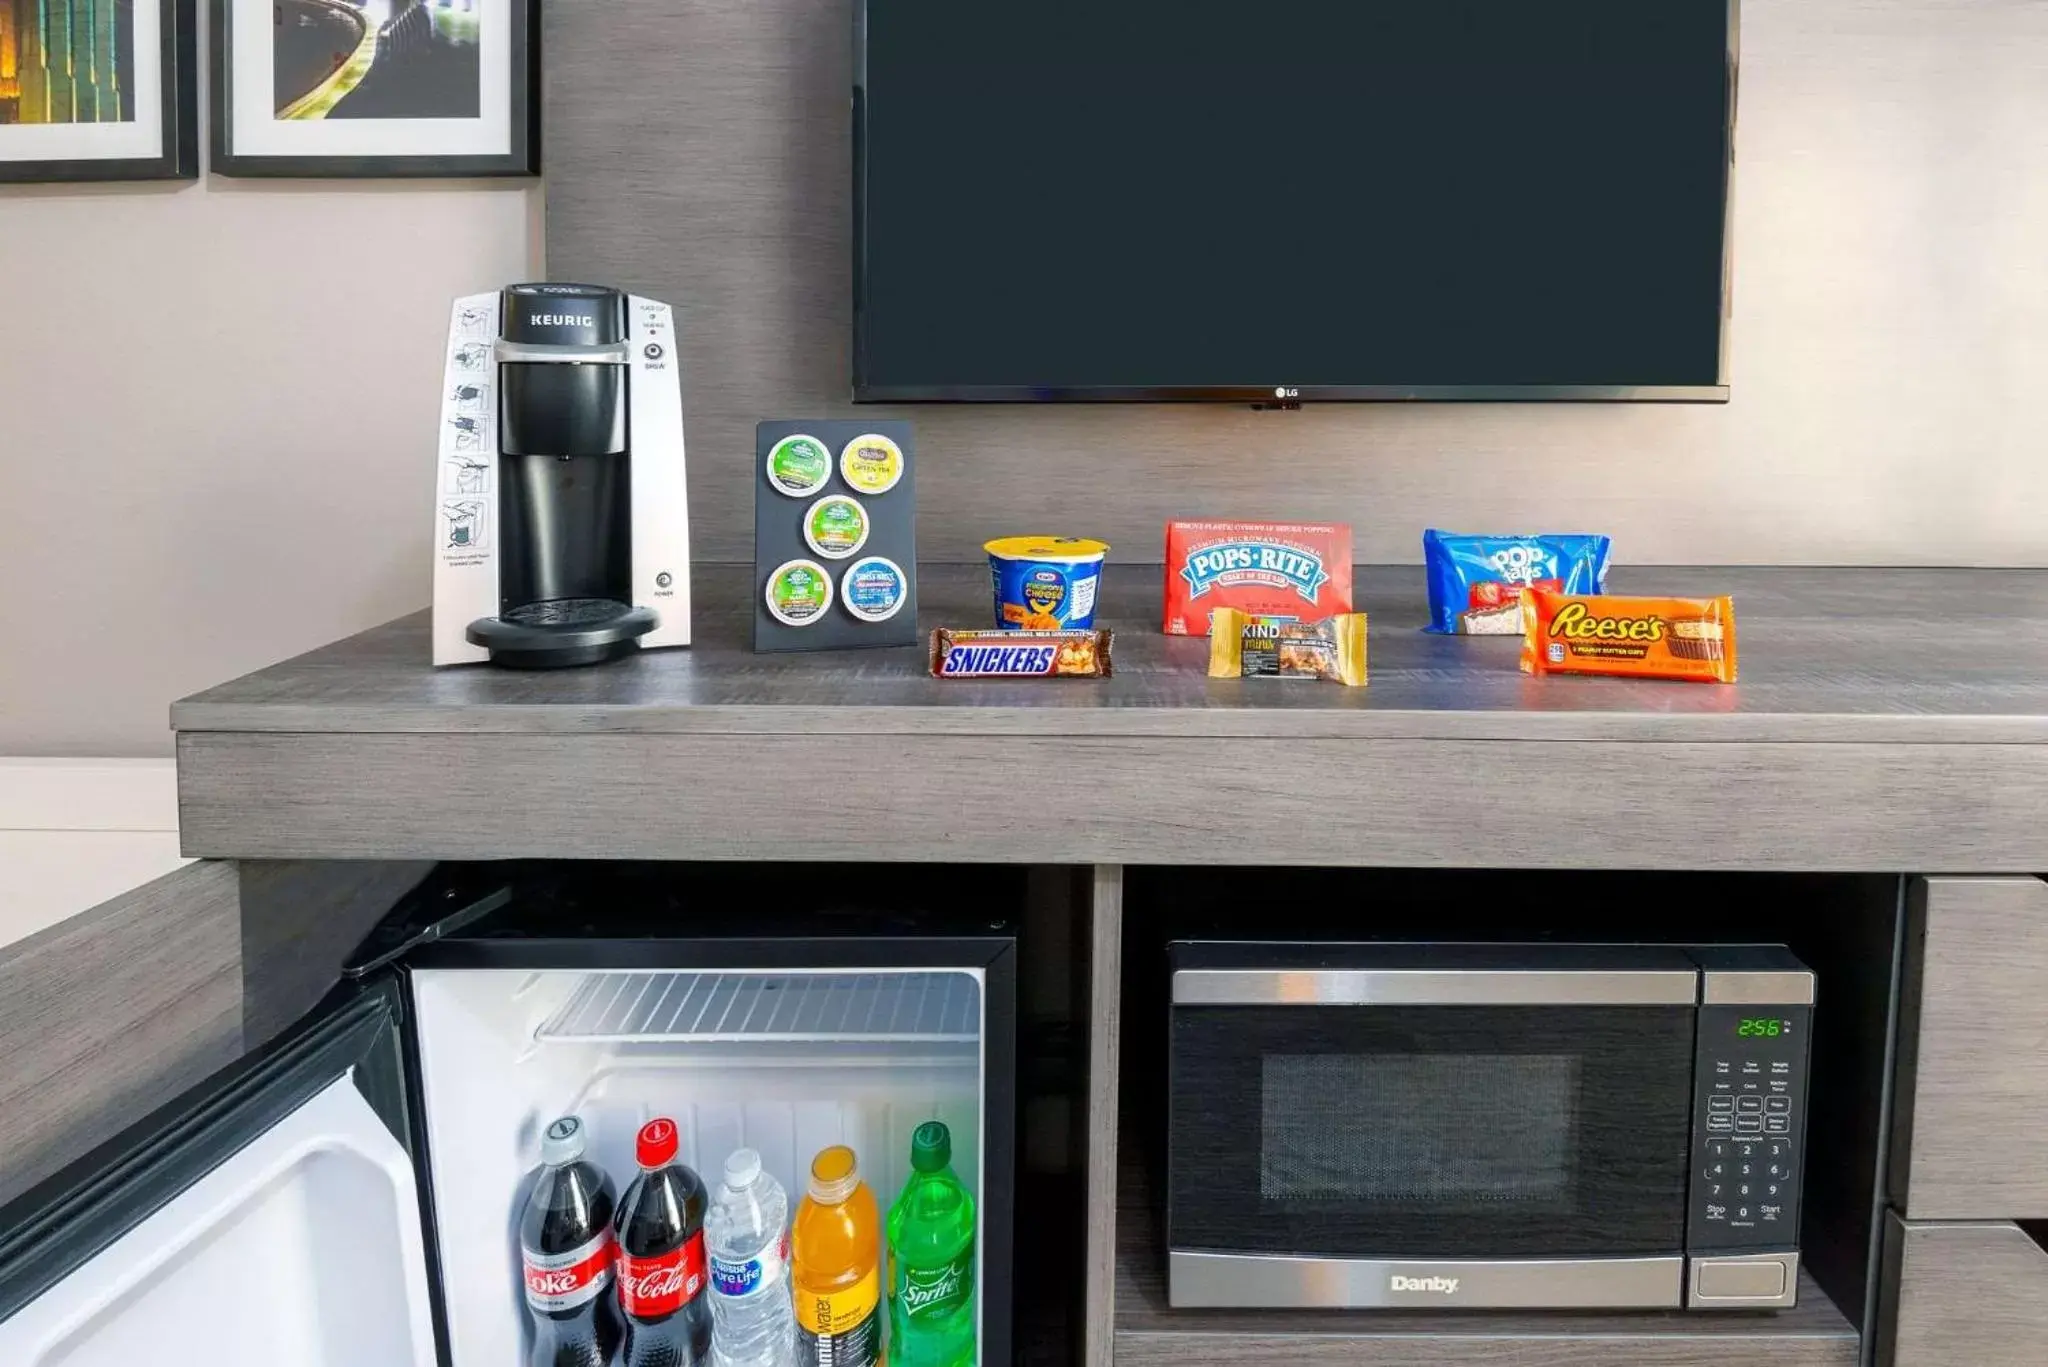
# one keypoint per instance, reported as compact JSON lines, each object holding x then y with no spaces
{"x":660,"y":1285}
{"x":653,"y":1285}
{"x":563,"y":1281}
{"x":552,"y":1283}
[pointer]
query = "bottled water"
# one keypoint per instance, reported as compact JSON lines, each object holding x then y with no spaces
{"x":753,"y":1324}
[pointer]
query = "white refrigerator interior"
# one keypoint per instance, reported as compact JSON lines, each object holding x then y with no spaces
{"x":304,"y":1247}
{"x":784,"y":1061}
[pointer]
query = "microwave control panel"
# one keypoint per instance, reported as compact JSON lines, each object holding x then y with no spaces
{"x":1749,"y":1127}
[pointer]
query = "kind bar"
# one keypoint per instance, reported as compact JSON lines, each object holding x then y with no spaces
{"x":1643,"y":638}
{"x":1245,"y":646}
{"x":960,"y":654}
{"x":1476,"y":582}
{"x":1297,"y":570}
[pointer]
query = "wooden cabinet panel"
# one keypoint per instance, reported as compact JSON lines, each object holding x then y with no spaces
{"x":1971,"y":1136}
{"x":1962,"y":1295}
{"x":112,"y":1013}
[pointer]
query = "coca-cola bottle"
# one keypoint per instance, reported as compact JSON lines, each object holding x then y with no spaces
{"x":565,"y":1240}
{"x":661,"y":1258}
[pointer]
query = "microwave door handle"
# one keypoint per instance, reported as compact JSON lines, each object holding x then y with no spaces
{"x":1435,"y":987}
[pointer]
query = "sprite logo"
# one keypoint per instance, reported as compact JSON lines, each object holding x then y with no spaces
{"x":930,"y":1292}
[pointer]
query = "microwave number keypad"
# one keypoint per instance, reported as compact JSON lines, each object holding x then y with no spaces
{"x":1749,"y":1127}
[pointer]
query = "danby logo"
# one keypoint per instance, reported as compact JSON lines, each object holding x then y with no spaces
{"x":1255,"y":562}
{"x":1576,"y":622}
{"x":1442,"y":1286}
{"x":559,"y":320}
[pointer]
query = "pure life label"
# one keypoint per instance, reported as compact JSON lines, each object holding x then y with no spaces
{"x":1255,"y":562}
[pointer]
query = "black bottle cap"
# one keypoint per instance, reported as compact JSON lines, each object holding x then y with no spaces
{"x":564,"y":315}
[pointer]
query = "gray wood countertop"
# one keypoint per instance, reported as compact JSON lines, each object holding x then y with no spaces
{"x":1886,"y":720}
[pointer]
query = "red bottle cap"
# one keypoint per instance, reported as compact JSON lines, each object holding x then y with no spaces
{"x":657,"y":1144}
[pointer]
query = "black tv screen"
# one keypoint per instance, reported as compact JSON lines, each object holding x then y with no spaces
{"x":1291,"y":199}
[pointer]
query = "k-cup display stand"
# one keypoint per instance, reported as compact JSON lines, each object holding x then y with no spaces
{"x":835,"y":535}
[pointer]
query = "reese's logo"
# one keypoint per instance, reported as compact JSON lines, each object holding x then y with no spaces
{"x":1576,"y":622}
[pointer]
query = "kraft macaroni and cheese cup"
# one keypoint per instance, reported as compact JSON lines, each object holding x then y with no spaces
{"x":1045,"y":583}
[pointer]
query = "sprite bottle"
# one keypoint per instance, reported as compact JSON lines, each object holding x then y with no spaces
{"x":931,"y":1259}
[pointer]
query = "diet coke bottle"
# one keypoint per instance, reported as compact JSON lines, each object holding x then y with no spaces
{"x":661,"y":1258}
{"x":565,"y":1239}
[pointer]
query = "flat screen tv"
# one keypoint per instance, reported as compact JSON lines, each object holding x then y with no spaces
{"x":1294,"y":200}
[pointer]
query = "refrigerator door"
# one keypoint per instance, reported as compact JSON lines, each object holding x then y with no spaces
{"x":270,"y":1216}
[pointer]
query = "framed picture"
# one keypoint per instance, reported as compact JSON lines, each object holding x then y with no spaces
{"x":99,"y":90}
{"x":375,"y":87}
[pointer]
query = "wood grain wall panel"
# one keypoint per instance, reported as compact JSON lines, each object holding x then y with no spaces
{"x":1962,"y":1295}
{"x":1971,"y":1115}
{"x":1889,"y":326}
{"x":111,"y":1013}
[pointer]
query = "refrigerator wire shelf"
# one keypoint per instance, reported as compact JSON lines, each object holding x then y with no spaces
{"x":660,"y":1008}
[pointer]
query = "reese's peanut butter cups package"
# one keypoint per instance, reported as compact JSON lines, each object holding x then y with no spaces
{"x":1644,"y":638}
{"x":1245,"y":646}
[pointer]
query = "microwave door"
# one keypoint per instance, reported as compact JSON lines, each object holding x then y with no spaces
{"x":1483,"y":1140}
{"x":270,"y":1216}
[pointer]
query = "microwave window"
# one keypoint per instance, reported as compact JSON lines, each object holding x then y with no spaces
{"x":1455,"y":1131}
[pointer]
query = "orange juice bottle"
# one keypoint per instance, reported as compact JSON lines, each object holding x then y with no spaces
{"x":836,"y":1267}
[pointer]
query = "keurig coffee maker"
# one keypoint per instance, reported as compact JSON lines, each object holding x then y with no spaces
{"x":564,"y":536}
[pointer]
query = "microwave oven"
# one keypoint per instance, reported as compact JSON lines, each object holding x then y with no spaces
{"x":1483,"y":1126}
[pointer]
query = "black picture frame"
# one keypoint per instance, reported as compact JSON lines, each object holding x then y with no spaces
{"x":522,"y":159}
{"x":178,"y":157}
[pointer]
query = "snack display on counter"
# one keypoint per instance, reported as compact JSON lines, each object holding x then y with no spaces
{"x":1299,"y":571}
{"x":1243,"y":645}
{"x":975,"y":654}
{"x":1645,"y":638}
{"x":1045,"y":583}
{"x":1476,"y":582}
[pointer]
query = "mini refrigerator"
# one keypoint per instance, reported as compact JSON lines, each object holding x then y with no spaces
{"x":350,"y":1194}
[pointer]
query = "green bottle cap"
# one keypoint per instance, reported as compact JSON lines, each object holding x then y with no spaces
{"x":931,"y":1146}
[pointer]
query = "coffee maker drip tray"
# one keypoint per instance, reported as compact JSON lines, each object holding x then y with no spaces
{"x":561,"y":632}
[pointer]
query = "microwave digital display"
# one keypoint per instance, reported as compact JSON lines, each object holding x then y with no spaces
{"x":1762,"y":1027}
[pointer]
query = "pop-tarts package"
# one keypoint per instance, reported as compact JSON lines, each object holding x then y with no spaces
{"x":1476,"y":582}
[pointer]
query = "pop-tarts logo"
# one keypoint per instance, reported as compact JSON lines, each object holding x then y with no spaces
{"x":1255,"y":562}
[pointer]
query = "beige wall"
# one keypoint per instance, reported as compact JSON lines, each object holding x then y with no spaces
{"x":217,"y":411}
{"x":1890,"y":337}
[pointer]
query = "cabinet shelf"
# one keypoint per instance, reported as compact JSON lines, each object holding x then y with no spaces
{"x":674,"y":1008}
{"x":1150,"y":1333}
